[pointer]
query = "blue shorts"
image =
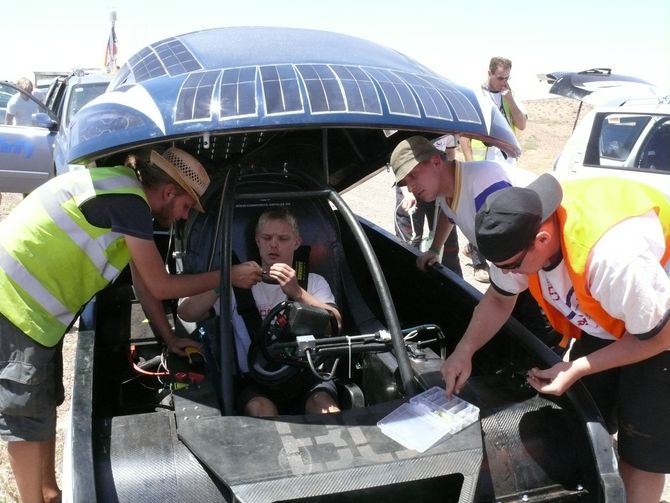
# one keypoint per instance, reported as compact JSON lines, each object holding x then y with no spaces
{"x":31,"y":385}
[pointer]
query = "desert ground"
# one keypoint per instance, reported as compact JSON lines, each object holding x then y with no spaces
{"x":549,"y":126}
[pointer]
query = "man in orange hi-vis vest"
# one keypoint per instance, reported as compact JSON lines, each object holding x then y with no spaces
{"x":600,"y":272}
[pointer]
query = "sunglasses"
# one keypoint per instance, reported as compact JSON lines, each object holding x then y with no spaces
{"x":513,"y":265}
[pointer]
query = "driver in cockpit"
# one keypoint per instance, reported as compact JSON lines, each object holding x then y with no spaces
{"x":277,"y":237}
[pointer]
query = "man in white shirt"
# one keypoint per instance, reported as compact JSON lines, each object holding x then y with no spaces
{"x":600,"y":272}
{"x":410,"y":214}
{"x":20,"y":108}
{"x":462,"y":188}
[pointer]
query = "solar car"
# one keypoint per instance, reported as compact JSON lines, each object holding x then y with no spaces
{"x":293,"y":118}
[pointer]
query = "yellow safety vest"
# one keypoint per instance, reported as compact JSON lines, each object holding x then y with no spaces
{"x":52,"y":261}
{"x":479,"y":150}
{"x":591,"y":207}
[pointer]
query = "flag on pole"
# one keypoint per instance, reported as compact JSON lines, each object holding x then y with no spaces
{"x":110,"y":53}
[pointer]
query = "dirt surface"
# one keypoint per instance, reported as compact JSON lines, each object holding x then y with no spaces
{"x":550,"y":124}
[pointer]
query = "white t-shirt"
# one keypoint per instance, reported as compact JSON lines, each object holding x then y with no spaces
{"x":267,"y":296}
{"x":21,"y":109}
{"x":624,"y":276}
{"x":474,"y":181}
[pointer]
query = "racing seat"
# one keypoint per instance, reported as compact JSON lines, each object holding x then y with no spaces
{"x":321,"y":251}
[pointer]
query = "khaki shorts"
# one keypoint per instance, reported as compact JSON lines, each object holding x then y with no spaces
{"x":31,"y":385}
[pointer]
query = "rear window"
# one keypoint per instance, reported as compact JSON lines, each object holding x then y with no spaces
{"x":619,"y":134}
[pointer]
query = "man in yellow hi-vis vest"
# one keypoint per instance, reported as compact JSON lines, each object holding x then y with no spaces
{"x":59,"y":247}
{"x":595,"y":254}
{"x":497,"y":89}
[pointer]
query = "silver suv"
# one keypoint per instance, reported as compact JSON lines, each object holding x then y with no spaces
{"x":30,"y":155}
{"x":626,"y":133}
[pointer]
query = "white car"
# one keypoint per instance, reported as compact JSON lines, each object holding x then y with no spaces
{"x":626,"y":133}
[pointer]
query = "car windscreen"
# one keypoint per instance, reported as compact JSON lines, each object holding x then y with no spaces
{"x":80,"y":95}
{"x":4,"y":98}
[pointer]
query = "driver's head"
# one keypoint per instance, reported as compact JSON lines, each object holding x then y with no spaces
{"x":277,"y":237}
{"x":25,"y":85}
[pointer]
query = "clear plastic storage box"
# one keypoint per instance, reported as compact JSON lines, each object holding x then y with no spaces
{"x":427,"y":418}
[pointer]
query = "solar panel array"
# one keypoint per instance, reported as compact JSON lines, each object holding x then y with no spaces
{"x":169,"y":57}
{"x":275,"y":90}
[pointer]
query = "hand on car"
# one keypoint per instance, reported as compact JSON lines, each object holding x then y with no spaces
{"x":176,"y":345}
{"x":555,"y":380}
{"x":426,"y":260}
{"x":455,"y":372}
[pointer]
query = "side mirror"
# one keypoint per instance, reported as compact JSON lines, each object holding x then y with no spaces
{"x":41,"y":119}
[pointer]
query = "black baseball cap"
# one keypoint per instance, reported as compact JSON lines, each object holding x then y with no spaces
{"x":509,"y":219}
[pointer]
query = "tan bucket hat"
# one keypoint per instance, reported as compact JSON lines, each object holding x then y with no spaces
{"x":184,"y":169}
{"x":408,"y":153}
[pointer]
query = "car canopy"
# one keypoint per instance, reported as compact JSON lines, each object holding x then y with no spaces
{"x":247,"y":82}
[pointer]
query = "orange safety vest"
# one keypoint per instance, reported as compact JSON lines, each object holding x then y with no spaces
{"x":591,"y":207}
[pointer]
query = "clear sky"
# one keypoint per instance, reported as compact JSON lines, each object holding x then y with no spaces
{"x":456,"y":39}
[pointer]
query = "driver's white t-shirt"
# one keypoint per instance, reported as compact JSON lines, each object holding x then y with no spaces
{"x":625,"y":277}
{"x":22,"y":110}
{"x":267,"y":296}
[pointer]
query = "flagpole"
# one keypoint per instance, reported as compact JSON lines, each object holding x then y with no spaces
{"x":110,"y":59}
